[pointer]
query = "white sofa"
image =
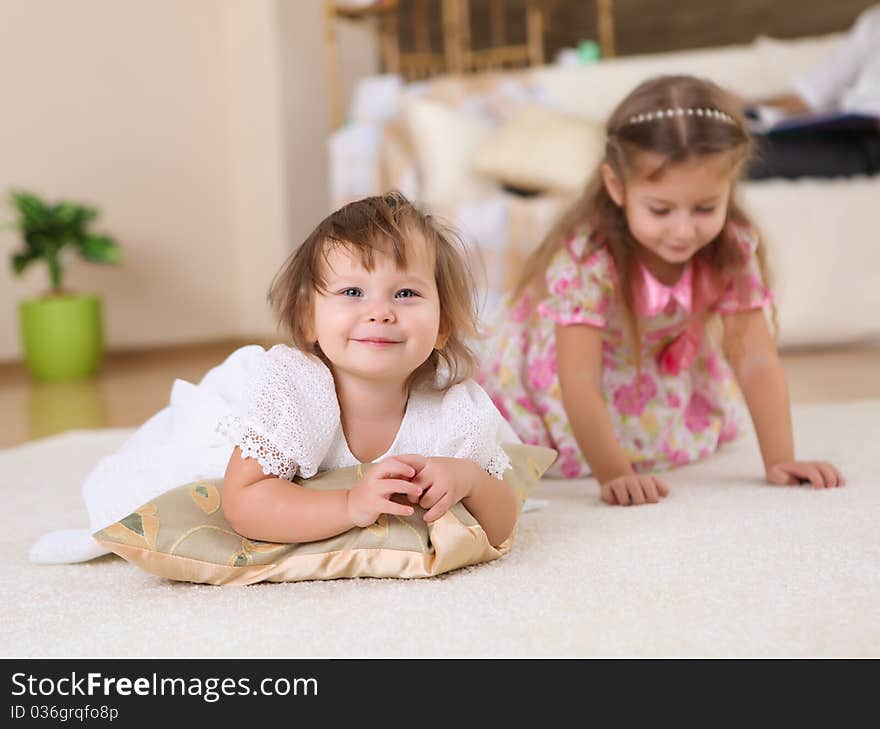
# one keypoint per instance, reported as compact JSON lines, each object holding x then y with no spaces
{"x":822,"y":236}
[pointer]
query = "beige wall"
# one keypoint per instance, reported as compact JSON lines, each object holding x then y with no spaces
{"x":199,"y":129}
{"x":256,"y":176}
{"x":306,"y":103}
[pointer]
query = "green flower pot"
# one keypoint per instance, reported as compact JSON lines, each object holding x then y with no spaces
{"x":62,"y":336}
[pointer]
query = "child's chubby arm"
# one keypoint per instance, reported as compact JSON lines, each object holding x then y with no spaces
{"x":446,"y":481}
{"x":579,"y":365}
{"x":271,"y":509}
{"x":751,"y":351}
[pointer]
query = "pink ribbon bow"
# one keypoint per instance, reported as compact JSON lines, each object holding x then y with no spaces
{"x":695,"y":290}
{"x":681,"y":352}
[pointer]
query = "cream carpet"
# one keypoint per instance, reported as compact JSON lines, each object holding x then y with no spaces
{"x":726,"y":566}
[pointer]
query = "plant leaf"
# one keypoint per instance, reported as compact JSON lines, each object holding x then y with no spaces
{"x":72,"y":216}
{"x":20,"y":261}
{"x":34,"y":213}
{"x":85,"y":214}
{"x":100,"y":249}
{"x":48,"y":230}
{"x":45,"y":243}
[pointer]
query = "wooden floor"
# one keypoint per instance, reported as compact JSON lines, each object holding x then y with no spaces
{"x":134,"y":385}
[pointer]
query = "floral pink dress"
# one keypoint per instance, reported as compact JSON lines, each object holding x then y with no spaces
{"x":685,"y":403}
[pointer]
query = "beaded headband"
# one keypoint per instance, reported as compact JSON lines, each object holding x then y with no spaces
{"x":678,"y":111}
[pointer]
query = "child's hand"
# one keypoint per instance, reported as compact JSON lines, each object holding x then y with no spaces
{"x":633,"y":490}
{"x":445,"y":482}
{"x":819,"y":474}
{"x":372,"y":495}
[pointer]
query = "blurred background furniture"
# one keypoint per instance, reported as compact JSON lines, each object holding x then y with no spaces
{"x":240,"y":173}
{"x":434,"y":138}
{"x":414,"y":54}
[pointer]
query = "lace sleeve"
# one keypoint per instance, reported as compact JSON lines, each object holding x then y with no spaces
{"x":290,"y":416}
{"x":474,"y":429}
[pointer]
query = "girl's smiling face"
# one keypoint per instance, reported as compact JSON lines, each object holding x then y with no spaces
{"x":679,"y":212}
{"x":382,"y":324}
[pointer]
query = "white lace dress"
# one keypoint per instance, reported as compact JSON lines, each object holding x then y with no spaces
{"x":280,"y":408}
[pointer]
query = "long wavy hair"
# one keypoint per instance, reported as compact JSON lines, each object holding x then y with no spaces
{"x":675,"y":139}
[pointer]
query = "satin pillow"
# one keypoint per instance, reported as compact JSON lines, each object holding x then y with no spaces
{"x":182,"y":535}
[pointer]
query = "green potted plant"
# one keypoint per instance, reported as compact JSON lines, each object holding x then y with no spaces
{"x":61,"y":331}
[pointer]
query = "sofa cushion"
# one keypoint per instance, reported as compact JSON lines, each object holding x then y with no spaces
{"x":444,"y":140}
{"x":821,"y":241}
{"x":763,"y":68}
{"x":542,"y":149}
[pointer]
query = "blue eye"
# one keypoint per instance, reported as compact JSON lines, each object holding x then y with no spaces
{"x":406,"y":293}
{"x":352,"y":292}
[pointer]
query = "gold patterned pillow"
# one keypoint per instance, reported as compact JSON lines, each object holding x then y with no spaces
{"x":182,"y":535}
